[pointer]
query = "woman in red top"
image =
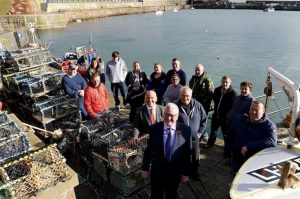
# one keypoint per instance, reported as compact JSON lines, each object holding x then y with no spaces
{"x":96,"y":97}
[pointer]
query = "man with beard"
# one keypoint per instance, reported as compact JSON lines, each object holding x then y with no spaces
{"x":95,"y":97}
{"x":176,"y":69}
{"x":223,"y":97}
{"x":202,"y":87}
{"x":242,"y":102}
{"x":250,"y":134}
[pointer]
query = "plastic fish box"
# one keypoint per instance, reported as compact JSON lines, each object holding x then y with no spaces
{"x":33,"y":173}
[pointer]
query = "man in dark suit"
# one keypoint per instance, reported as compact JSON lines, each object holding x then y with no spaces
{"x":169,"y":153}
{"x":147,"y":115}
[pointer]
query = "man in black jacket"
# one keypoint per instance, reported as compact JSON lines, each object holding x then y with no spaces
{"x":223,"y":98}
{"x":176,"y":70}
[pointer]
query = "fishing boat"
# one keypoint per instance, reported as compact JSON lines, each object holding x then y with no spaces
{"x":159,"y":12}
{"x":261,"y":175}
{"x":269,"y":9}
{"x":81,"y":56}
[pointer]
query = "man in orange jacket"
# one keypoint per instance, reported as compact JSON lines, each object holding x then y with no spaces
{"x":96,"y":97}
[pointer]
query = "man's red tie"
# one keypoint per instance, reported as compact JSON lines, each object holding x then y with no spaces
{"x":152,"y":116}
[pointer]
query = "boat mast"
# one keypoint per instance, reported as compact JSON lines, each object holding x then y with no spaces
{"x":292,"y":91}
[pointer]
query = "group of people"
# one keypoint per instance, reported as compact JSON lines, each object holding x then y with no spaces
{"x":175,"y":116}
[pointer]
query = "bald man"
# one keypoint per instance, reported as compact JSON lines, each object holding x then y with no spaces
{"x":142,"y":119}
{"x":202,"y":87}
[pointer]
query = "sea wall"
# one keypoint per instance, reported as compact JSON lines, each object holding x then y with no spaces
{"x":61,"y":19}
{"x":65,"y":5}
{"x":98,"y":13}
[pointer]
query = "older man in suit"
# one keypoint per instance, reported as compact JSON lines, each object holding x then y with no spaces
{"x":146,"y":115}
{"x":169,"y":153}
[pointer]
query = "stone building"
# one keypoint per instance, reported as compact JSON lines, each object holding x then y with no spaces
{"x":50,"y":6}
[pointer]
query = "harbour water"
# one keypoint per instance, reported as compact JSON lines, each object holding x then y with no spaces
{"x":239,"y":43}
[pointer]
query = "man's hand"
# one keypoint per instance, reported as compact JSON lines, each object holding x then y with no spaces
{"x":244,"y":150}
{"x":145,"y":175}
{"x":81,"y":93}
{"x":184,"y":179}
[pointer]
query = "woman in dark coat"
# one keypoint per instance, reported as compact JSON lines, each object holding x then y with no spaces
{"x":97,"y":66}
{"x":135,"y":81}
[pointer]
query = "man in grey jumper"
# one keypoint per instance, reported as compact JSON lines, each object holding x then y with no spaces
{"x":116,"y":71}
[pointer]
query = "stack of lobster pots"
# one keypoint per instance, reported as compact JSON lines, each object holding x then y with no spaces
{"x":33,"y":90}
{"x":25,"y":172}
{"x":105,"y":147}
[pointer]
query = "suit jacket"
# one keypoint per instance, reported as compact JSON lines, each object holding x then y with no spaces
{"x":155,"y":154}
{"x":142,"y":119}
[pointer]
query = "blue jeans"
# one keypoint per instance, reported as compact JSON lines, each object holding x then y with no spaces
{"x":115,"y":87}
{"x":84,"y":114}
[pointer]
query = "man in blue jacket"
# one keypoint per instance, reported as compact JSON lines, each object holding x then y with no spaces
{"x":250,"y":134}
{"x":74,"y":85}
{"x":192,"y":113}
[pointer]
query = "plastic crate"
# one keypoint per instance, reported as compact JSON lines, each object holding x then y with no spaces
{"x":33,"y":173}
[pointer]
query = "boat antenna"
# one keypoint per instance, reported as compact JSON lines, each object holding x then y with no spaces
{"x":268,"y":91}
{"x":91,"y":41}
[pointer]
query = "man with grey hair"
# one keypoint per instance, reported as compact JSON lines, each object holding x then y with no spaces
{"x":192,"y":113}
{"x":169,"y":153}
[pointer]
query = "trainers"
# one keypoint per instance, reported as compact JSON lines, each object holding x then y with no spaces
{"x":204,"y":138}
{"x":118,"y":107}
{"x":208,"y":145}
{"x":127,"y":106}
